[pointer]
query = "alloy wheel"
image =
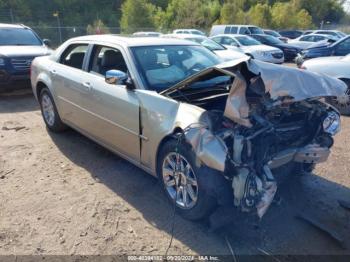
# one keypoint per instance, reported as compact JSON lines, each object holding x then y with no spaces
{"x":180,"y":180}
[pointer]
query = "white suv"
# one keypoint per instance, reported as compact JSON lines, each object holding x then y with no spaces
{"x":235,"y":29}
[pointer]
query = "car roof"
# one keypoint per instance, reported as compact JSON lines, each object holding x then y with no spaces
{"x":133,"y":41}
{"x":12,"y":26}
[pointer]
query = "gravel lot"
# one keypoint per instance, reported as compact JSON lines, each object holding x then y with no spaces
{"x":63,"y":194}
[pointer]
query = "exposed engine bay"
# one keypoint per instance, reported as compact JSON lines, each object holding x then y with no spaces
{"x":258,"y":118}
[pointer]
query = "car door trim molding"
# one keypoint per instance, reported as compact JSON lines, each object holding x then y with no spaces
{"x":104,"y":119}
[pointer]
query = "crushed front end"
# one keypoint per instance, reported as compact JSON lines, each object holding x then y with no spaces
{"x":273,"y":118}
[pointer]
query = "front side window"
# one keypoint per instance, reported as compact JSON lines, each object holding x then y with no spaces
{"x":105,"y":58}
{"x":19,"y":37}
{"x":161,"y":67}
{"x":74,"y":55}
{"x":343,"y":48}
{"x":229,"y":41}
{"x":306,"y":38}
{"x":256,"y":30}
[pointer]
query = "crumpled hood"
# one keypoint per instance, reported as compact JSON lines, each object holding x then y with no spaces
{"x":279,"y":81}
{"x":30,"y":51}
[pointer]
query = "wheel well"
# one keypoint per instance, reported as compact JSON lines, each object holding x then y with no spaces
{"x":165,"y":140}
{"x":40,"y":86}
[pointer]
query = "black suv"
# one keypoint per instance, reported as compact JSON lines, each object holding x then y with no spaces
{"x":19,"y":45}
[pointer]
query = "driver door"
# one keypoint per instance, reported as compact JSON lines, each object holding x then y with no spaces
{"x":112,"y":110}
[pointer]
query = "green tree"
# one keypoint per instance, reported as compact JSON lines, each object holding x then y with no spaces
{"x":287,"y":15}
{"x":260,"y":15}
{"x":137,"y":15}
{"x":232,"y":12}
{"x":189,"y":14}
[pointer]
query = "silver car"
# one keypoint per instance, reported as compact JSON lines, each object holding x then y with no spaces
{"x":214,"y":134}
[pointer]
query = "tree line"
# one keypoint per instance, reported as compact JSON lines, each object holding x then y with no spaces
{"x":165,"y":15}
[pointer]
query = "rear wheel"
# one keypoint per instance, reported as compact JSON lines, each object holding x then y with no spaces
{"x":342,"y":103}
{"x":182,"y":181}
{"x":49,"y":112}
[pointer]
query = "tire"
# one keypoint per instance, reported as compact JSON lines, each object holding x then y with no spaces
{"x":196,"y":208}
{"x":49,"y":112}
{"x":342,"y":105}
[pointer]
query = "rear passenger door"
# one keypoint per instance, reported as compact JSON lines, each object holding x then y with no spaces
{"x":66,"y":79}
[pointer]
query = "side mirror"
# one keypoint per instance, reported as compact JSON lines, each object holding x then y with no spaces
{"x":117,"y":77}
{"x":47,"y":42}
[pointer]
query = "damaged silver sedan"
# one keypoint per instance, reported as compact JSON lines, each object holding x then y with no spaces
{"x":214,"y":134}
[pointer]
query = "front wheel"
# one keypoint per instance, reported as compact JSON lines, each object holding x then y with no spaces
{"x":182,"y":181}
{"x":49,"y":112}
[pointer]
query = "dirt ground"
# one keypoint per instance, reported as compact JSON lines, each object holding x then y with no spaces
{"x":64,"y":194}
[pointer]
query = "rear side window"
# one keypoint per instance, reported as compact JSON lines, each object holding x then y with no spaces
{"x":231,"y":30}
{"x":244,"y":31}
{"x":74,"y":55}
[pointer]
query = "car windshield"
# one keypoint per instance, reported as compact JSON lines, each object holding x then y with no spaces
{"x":272,"y":40}
{"x":161,"y":67}
{"x":208,"y":43}
{"x":256,"y":30}
{"x":247,"y":41}
{"x":18,"y":36}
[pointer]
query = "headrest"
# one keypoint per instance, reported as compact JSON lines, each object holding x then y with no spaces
{"x":111,"y":58}
{"x":76,"y":59}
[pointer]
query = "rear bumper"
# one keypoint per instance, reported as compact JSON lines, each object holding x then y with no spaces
{"x":14,"y":81}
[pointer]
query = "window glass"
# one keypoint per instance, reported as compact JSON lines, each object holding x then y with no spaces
{"x":256,"y":30}
{"x":227,"y":29}
{"x":229,"y":41}
{"x":208,"y":43}
{"x":306,"y":38}
{"x":247,"y":41}
{"x":74,"y":55}
{"x":244,"y":31}
{"x":233,"y":30}
{"x":18,"y":36}
{"x":105,"y":58}
{"x":161,"y":67}
{"x":343,"y":48}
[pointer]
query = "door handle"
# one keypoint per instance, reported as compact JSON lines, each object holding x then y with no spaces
{"x":87,"y":86}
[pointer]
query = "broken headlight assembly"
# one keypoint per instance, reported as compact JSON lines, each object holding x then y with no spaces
{"x":331,"y":123}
